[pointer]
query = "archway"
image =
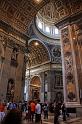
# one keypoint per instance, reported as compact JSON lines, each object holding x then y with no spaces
{"x":37,"y":51}
{"x":35,"y":87}
{"x":38,"y":56}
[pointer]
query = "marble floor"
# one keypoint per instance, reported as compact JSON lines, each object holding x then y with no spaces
{"x":50,"y":120}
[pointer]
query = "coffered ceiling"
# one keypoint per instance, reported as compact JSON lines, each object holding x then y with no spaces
{"x":38,"y":53}
{"x":59,"y":9}
{"x":19,"y":13}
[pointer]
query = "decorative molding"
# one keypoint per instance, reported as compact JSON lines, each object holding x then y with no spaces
{"x":9,"y":29}
{"x":68,"y":72}
{"x":8,"y":41}
{"x":69,"y":20}
{"x":67,"y":60}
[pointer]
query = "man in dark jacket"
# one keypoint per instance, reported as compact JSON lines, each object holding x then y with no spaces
{"x":56,"y":113}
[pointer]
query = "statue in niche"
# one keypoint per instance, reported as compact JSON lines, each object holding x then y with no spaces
{"x":14,"y":57}
{"x":10,"y":90}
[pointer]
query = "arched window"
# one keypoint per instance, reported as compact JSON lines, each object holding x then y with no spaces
{"x":40,"y":25}
{"x":46,"y":28}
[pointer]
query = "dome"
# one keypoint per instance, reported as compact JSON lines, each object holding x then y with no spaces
{"x":45,"y":19}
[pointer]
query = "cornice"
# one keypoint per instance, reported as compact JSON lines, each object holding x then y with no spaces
{"x":43,"y":68}
{"x":69,"y":20}
{"x":9,"y":29}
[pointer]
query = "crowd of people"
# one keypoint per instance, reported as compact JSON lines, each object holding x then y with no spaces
{"x":33,"y":111}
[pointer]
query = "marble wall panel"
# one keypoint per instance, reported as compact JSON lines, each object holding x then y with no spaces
{"x":9,"y":71}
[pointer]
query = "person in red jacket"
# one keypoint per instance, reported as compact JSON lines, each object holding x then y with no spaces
{"x":32,"y":105}
{"x":2,"y":111}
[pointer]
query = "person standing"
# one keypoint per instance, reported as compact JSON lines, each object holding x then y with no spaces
{"x":29,"y":112}
{"x":56,"y":113}
{"x":38,"y":112}
{"x":64,"y":112}
{"x":2,"y":111}
{"x":32,"y":105}
{"x":45,"y":111}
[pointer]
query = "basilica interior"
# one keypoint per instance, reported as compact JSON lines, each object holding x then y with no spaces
{"x":40,"y":50}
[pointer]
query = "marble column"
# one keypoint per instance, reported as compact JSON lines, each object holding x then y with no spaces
{"x":70,"y":78}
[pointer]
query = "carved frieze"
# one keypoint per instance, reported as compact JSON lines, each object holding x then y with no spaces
{"x":68,"y":65}
{"x":77,"y":43}
{"x":6,"y":42}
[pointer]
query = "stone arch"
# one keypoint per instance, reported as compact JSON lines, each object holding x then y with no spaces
{"x":42,"y":43}
{"x":37,"y":53}
{"x":35,"y":85}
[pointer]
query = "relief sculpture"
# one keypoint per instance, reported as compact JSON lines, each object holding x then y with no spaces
{"x":69,"y":70}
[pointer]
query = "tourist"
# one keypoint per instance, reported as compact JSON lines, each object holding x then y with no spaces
{"x":38,"y":112}
{"x":32,"y":105}
{"x":2,"y":111}
{"x":45,"y":109}
{"x":28,"y":112}
{"x":56,"y":113}
{"x":64,"y":112}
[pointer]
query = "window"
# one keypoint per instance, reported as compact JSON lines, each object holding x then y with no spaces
{"x":40,"y":25}
{"x":58,"y":80}
{"x":56,"y":31}
{"x":47,"y":29}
